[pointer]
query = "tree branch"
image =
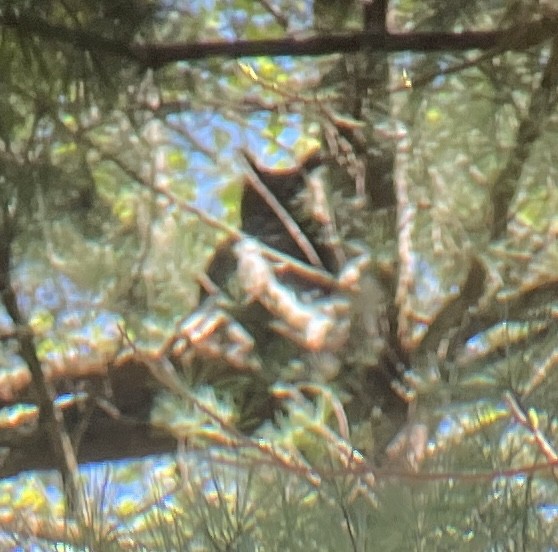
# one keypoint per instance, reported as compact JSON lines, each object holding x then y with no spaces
{"x":157,"y":55}
{"x":50,"y":415}
{"x":152,"y":55}
{"x":531,"y":126}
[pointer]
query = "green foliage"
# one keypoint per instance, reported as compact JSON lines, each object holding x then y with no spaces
{"x":117,"y":183}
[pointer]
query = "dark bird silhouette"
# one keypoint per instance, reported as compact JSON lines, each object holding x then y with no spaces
{"x":258,"y":219}
{"x":257,"y":216}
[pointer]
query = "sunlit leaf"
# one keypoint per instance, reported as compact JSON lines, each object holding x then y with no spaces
{"x":176,"y":160}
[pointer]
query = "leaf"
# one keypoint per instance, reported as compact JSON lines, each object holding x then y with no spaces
{"x":230,"y":196}
{"x":176,"y":160}
{"x":222,"y":138}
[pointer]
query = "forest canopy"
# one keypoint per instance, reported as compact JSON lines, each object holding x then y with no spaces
{"x":301,"y":246}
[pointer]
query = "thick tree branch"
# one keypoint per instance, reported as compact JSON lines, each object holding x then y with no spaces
{"x":157,"y":55}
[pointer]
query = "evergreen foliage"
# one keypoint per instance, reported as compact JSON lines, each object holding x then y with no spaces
{"x":323,"y":290}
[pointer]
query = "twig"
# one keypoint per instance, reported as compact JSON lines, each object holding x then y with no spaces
{"x":283,"y":215}
{"x":276,"y":13}
{"x":530,"y":422}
